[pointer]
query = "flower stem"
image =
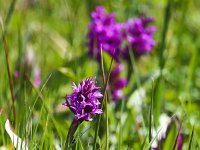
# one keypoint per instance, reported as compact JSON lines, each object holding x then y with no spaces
{"x":71,"y":132}
{"x":6,"y":48}
{"x":107,"y":128}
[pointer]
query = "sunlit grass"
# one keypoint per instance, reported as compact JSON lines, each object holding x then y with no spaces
{"x":56,"y":31}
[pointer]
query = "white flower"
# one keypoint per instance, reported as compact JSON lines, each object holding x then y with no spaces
{"x":161,"y":131}
{"x":136,"y":100}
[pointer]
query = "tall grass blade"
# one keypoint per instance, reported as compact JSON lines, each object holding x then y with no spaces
{"x":2,"y":129}
{"x":162,"y":45}
{"x":44,"y":133}
{"x":11,"y":85}
{"x":193,"y":64}
{"x":120,"y":134}
{"x":107,"y":127}
{"x":106,"y":99}
{"x":152,"y":140}
{"x":134,"y":67}
{"x":150,"y":113}
{"x":39,"y":96}
{"x":104,"y":95}
{"x":10,"y":11}
{"x":36,"y":126}
{"x":162,"y":60}
{"x":144,"y":142}
{"x":191,"y":137}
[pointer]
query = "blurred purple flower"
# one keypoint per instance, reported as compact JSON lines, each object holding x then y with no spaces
{"x":83,"y":102}
{"x":139,"y":35}
{"x":117,"y":83}
{"x":16,"y":74}
{"x":37,"y":76}
{"x":180,"y":142}
{"x":104,"y":32}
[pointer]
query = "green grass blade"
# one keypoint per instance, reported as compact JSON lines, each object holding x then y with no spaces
{"x":106,"y":100}
{"x":162,"y":45}
{"x":161,"y":48}
{"x":134,"y":67}
{"x":151,"y":110}
{"x":104,"y":95}
{"x":143,"y":144}
{"x":120,"y":134}
{"x":39,"y":96}
{"x":10,"y":11}
{"x":44,"y":133}
{"x":193,"y":64}
{"x":2,"y":137}
{"x":107,"y":127}
{"x":10,"y":79}
{"x":152,"y":140}
{"x":191,"y":137}
{"x":36,"y":127}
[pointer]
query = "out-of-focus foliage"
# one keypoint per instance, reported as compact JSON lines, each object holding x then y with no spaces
{"x":56,"y":32}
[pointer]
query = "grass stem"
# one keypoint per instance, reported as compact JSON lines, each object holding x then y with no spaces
{"x":11,"y":85}
{"x":151,"y":110}
{"x":105,"y":81}
{"x":190,"y":143}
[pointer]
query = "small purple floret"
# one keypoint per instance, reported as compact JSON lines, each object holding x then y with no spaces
{"x":83,"y":102}
{"x":37,"y":76}
{"x":17,"y":74}
{"x":117,"y":83}
{"x":180,"y":141}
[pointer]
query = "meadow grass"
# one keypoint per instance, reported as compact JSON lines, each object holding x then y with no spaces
{"x":55,"y":31}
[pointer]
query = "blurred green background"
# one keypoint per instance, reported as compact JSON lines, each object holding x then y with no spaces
{"x":55,"y":32}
